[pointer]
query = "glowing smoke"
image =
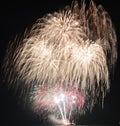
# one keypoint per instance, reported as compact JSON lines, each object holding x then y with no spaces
{"x":73,"y":50}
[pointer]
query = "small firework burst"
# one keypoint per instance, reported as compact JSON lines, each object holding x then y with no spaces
{"x":67,"y":54}
{"x":63,"y":102}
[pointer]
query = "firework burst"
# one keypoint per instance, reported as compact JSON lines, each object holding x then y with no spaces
{"x":70,"y":52}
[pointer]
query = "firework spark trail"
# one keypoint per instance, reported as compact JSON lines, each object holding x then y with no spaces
{"x":62,"y":110}
{"x":73,"y":48}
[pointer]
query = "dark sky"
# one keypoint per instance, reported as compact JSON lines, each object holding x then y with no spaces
{"x":14,"y":18}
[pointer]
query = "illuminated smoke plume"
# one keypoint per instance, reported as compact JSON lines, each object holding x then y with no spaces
{"x":70,"y":52}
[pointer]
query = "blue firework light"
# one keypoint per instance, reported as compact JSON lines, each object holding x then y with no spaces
{"x":65,"y":60}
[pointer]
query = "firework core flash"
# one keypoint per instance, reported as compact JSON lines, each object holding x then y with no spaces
{"x":63,"y":63}
{"x":62,"y":101}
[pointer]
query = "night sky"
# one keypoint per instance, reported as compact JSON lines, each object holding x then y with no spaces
{"x":15,"y":17}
